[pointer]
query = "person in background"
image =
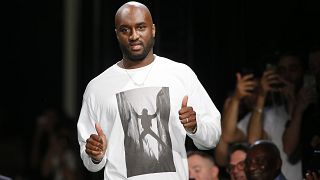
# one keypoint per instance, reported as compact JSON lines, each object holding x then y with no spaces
{"x":272,"y":101}
{"x":136,"y":115}
{"x":274,"y":107}
{"x":237,"y":157}
{"x":263,"y":162}
{"x":236,"y":106}
{"x":202,"y":166}
{"x":302,"y":131}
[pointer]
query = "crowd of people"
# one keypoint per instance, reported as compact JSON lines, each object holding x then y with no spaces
{"x":279,"y":105}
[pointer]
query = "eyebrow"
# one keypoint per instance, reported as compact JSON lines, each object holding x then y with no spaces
{"x":137,"y":24}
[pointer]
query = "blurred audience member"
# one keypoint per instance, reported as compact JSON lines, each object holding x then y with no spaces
{"x":238,"y":154}
{"x":53,"y":154}
{"x":46,"y":123}
{"x":279,"y":97}
{"x":202,"y":166}
{"x":263,"y":162}
{"x":303,"y":128}
{"x":271,"y":101}
{"x":235,"y":107}
{"x":60,"y":160}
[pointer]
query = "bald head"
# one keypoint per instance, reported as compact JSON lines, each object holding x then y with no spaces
{"x":132,"y":8}
{"x":263,"y":161}
{"x":135,"y":33}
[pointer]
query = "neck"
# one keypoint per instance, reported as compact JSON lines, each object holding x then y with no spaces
{"x":129,"y":64}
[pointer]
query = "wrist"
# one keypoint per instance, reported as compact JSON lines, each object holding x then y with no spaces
{"x":258,"y":109}
{"x":96,"y":161}
{"x":194,"y":130}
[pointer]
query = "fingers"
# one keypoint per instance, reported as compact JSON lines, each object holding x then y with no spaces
{"x":245,"y":83}
{"x":311,"y":175}
{"x":184,"y":102}
{"x":94,"y":147}
{"x":187,"y":115}
{"x":96,"y":144}
{"x":247,"y":77}
{"x":99,"y":129}
{"x":101,"y":134}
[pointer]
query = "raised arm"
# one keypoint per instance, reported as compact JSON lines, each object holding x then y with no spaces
{"x":291,"y":134}
{"x":255,"y":126}
{"x":244,"y":87}
{"x":230,"y":132}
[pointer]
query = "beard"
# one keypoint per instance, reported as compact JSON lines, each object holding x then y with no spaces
{"x":137,"y":57}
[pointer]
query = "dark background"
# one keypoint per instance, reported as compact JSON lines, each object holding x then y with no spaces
{"x":215,"y":38}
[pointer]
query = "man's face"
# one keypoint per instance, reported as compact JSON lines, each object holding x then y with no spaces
{"x":201,"y":168}
{"x":237,"y":164}
{"x":260,"y":165}
{"x":135,"y":32}
{"x":290,"y":69}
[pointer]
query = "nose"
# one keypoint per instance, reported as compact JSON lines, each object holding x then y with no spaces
{"x":134,"y":35}
{"x":191,"y":175}
{"x":252,"y":166}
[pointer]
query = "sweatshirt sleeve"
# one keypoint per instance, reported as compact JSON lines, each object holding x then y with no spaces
{"x":207,"y":115}
{"x":86,"y":127}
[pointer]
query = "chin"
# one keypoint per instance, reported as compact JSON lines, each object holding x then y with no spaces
{"x":137,"y":56}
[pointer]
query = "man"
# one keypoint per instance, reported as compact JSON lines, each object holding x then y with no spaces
{"x":238,"y":154}
{"x":302,"y":131}
{"x":202,"y":166}
{"x":136,"y":115}
{"x":263,"y":162}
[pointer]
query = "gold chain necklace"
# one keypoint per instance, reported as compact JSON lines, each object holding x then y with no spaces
{"x":131,"y":78}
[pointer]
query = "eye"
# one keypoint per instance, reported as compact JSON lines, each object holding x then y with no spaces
{"x":124,"y":29}
{"x":261,"y":161}
{"x":141,"y":27}
{"x":197,"y":170}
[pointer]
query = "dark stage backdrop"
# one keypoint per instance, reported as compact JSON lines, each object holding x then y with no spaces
{"x":213,"y":37}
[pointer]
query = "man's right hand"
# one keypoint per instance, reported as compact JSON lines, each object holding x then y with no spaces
{"x":97,"y":144}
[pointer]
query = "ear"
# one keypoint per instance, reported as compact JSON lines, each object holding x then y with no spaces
{"x":153,"y":30}
{"x":215,"y":171}
{"x":279,"y":164}
{"x":116,"y":31}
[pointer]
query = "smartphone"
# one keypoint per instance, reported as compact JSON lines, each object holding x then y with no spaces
{"x":272,"y":67}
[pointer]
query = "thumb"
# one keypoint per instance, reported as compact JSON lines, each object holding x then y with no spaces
{"x":184,"y":101}
{"x":238,"y":77}
{"x":99,"y":129}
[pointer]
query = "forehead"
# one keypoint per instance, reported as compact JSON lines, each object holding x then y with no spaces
{"x":195,"y":160}
{"x":132,"y":15}
{"x":238,"y":156}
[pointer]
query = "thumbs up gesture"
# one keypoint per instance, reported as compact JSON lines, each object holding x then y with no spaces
{"x":187,"y":116}
{"x":97,"y":144}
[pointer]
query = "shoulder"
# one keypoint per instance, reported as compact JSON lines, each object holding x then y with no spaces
{"x":173,"y":65}
{"x":101,"y":80}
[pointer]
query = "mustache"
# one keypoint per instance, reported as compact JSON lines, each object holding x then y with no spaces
{"x":133,"y":43}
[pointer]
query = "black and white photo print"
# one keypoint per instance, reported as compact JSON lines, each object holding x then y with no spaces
{"x":144,"y":114}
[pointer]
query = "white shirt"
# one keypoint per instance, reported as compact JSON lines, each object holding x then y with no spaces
{"x":141,"y":122}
